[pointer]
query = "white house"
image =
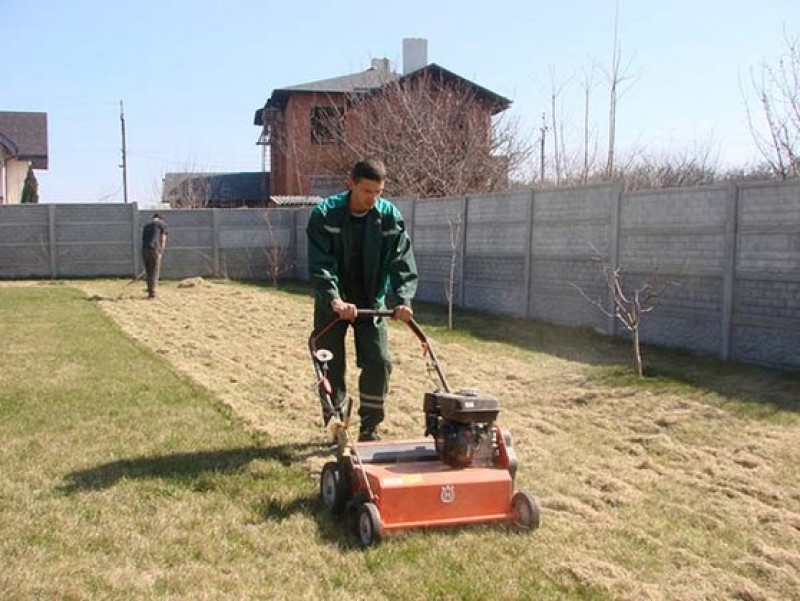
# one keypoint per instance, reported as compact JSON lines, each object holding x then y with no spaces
{"x":23,"y":144}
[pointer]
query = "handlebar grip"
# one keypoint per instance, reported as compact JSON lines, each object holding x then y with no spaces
{"x":376,"y":312}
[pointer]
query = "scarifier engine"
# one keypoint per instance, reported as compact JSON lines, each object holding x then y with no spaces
{"x":462,"y":426}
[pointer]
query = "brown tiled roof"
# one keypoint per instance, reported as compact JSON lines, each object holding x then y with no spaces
{"x":371,"y":81}
{"x":363,"y":81}
{"x":24,"y":135}
{"x":497,"y":102}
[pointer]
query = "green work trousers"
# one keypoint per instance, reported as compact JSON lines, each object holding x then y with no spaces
{"x":372,"y":357}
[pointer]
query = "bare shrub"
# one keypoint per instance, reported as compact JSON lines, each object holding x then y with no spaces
{"x":630,"y":304}
{"x":455,"y":228}
{"x":276,"y":254}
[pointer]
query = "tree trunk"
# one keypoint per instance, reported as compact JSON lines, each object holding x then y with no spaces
{"x":637,"y":351}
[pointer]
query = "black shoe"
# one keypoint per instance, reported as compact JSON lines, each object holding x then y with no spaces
{"x":368,"y":436}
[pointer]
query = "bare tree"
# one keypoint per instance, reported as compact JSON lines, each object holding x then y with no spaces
{"x":575,"y":161}
{"x":450,"y":283}
{"x":630,"y":304}
{"x":616,"y":76}
{"x":587,"y":83}
{"x":277,"y":254}
{"x":558,"y":137}
{"x":435,"y":135}
{"x":778,"y":91}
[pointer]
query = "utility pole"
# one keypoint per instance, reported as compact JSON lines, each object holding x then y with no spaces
{"x":124,"y":164}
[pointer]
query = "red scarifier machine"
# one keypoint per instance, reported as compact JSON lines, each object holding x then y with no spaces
{"x":463,"y":474}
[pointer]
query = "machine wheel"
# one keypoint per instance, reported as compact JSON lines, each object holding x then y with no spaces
{"x":526,"y":511}
{"x":370,"y":527}
{"x":333,"y":488}
{"x":507,"y":438}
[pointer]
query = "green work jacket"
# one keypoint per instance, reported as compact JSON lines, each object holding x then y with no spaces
{"x":389,"y":266}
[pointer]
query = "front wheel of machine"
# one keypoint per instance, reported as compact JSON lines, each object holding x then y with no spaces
{"x":332,"y":487}
{"x":526,"y":511}
{"x":370,"y":527}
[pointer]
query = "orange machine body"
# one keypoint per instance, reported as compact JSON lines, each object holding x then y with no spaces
{"x":412,"y":488}
{"x":411,"y":495}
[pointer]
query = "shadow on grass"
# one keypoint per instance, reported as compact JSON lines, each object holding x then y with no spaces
{"x":338,"y":530}
{"x":333,"y":529}
{"x":185,"y":466}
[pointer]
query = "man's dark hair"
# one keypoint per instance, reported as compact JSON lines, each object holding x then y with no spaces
{"x":372,"y":169}
{"x":157,"y":216}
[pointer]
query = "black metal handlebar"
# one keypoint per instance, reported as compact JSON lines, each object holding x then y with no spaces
{"x":376,"y":312}
{"x":427,"y":348}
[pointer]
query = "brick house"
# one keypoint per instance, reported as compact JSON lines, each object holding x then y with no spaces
{"x":300,"y":125}
{"x":23,"y":144}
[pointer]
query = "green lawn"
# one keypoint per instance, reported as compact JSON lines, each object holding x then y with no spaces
{"x":123,"y":479}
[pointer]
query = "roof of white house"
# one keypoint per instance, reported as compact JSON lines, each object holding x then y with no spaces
{"x":24,"y":136}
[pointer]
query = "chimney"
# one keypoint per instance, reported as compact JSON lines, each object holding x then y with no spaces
{"x":380,"y":64}
{"x":415,"y":54}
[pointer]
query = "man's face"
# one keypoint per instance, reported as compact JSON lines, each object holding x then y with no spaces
{"x":364,"y":194}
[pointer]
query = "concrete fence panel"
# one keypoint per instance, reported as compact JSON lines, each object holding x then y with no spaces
{"x":190,"y":244}
{"x":732,"y":250}
{"x":678,"y":235}
{"x":92,"y":240}
{"x":436,"y":226}
{"x":496,"y":243}
{"x":765,"y":324}
{"x":25,"y":241}
{"x":571,"y":238}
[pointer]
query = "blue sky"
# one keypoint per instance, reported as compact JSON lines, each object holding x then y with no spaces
{"x":192,"y":73}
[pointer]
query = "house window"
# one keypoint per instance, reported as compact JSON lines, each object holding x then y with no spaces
{"x":327,"y":126}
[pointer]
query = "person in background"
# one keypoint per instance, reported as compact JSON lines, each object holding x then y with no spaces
{"x":359,"y":253}
{"x":154,"y":243}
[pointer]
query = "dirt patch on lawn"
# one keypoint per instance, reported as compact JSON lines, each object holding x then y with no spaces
{"x":647,"y":493}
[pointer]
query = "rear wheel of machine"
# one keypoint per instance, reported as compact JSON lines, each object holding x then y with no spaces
{"x":370,"y":527}
{"x":525,"y":510}
{"x":332,"y":487}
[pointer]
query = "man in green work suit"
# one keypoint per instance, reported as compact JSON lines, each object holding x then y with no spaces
{"x":359,"y":253}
